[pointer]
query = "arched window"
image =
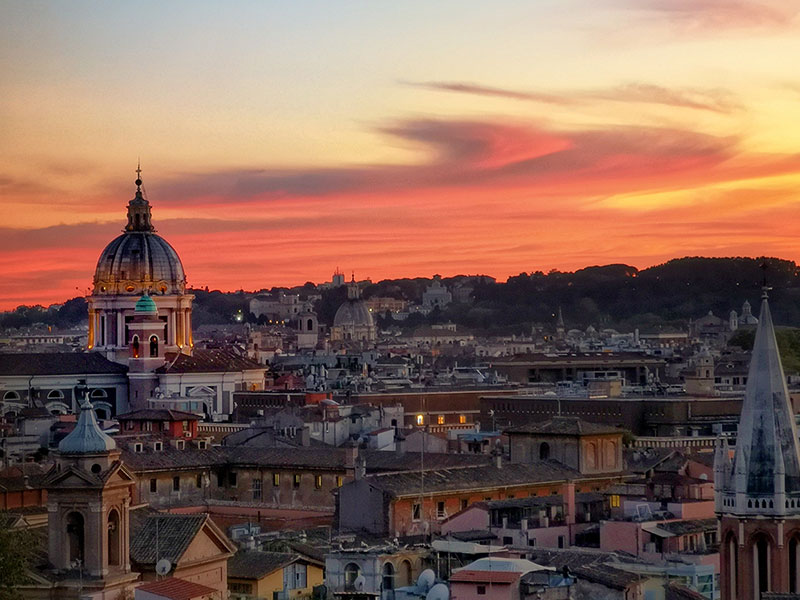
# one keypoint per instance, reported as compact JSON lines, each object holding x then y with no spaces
{"x":135,"y":347}
{"x":310,"y":325}
{"x":544,"y":451}
{"x":794,"y":563}
{"x":75,"y":537}
{"x":388,"y":576}
{"x":733,"y":565}
{"x":351,"y":571}
{"x":761,"y":566}
{"x":405,"y":571}
{"x":153,"y":346}
{"x":611,"y":454}
{"x":11,"y":396}
{"x":55,"y":395}
{"x":98,"y":393}
{"x":591,"y":456}
{"x":114,"y":548}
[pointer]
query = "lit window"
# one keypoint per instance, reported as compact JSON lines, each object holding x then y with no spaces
{"x":420,"y":420}
{"x":440,"y":420}
{"x":318,"y":481}
{"x":339,"y":481}
{"x":296,"y":480}
{"x":276,"y":479}
{"x":614,"y":501}
{"x":462,"y":419}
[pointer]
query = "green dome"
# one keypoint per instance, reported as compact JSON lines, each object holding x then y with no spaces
{"x":146,"y":305}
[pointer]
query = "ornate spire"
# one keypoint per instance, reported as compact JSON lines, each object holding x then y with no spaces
{"x":767,"y":461}
{"x":139,"y":208}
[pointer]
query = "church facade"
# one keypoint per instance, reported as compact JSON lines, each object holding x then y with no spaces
{"x":757,"y":493}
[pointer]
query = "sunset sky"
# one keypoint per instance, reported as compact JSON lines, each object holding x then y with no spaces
{"x":279,"y":140}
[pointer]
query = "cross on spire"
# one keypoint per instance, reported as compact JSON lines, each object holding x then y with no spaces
{"x":138,"y":181}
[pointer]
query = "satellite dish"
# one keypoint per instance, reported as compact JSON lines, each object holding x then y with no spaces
{"x":426,"y":580}
{"x":359,"y":582}
{"x":438,"y":592}
{"x":163,"y":566}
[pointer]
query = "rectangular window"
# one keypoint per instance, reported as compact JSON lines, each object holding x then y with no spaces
{"x":232,"y":479}
{"x":296,"y":480}
{"x":186,"y":425}
{"x":201,"y":445}
{"x":276,"y":479}
{"x":561,"y":541}
{"x":164,"y":425}
{"x":318,"y":481}
{"x":153,"y":486}
{"x":420,"y":420}
{"x":256,"y":489}
{"x":464,"y":503}
{"x":240,"y":588}
{"x":462,"y":419}
{"x":129,"y":425}
{"x":199,"y":480}
{"x":614,"y":501}
{"x":481,"y":590}
{"x":176,"y":484}
{"x":508,"y":540}
{"x":158,"y":446}
{"x":440,"y":512}
{"x":440,"y":420}
{"x":137,"y":448}
{"x":532,"y":542}
{"x":416,"y":511}
{"x":339,"y":481}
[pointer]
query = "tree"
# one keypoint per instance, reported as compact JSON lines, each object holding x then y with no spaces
{"x":17,"y":546}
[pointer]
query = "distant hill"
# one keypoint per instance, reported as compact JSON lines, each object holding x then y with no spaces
{"x":662,"y":297}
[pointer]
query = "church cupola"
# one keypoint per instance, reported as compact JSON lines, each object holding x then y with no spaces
{"x":139,"y":218}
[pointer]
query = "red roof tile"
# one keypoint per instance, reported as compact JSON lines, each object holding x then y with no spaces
{"x":177,"y":589}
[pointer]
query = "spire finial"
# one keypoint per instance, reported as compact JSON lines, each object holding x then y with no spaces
{"x":764,"y":287}
{"x":138,"y":181}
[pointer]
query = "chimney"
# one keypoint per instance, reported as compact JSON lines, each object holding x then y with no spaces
{"x":360,"y":468}
{"x":568,"y":494}
{"x":305,"y":436}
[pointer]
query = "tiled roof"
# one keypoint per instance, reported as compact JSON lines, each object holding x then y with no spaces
{"x":315,"y":457}
{"x":676,"y":591}
{"x":470,"y":478}
{"x":208,"y":361}
{"x":689,"y":526}
{"x":177,"y":589}
{"x":470,"y":576}
{"x":158,"y":414}
{"x":594,"y":566}
{"x":58,"y":363}
{"x":157,"y":536}
{"x":252,"y":564}
{"x":565,"y":426}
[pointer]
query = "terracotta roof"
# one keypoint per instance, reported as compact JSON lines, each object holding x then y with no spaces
{"x":177,"y":589}
{"x":476,"y":477}
{"x":470,"y":576}
{"x":689,"y":526}
{"x":58,"y":363}
{"x":157,"y":536}
{"x":208,"y":361}
{"x":158,"y":414}
{"x":676,"y":591}
{"x":565,"y":426}
{"x":252,"y":564}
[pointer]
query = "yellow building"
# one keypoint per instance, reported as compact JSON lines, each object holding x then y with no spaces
{"x":272,"y":575}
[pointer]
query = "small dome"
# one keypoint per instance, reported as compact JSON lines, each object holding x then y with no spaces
{"x":146,"y":305}
{"x":87,"y":437}
{"x":353,"y":313}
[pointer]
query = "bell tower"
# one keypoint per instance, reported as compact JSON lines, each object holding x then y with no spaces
{"x":88,"y":503}
{"x":757,"y":494}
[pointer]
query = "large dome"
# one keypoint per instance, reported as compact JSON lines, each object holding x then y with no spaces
{"x":353,"y":313}
{"x":139,"y":260}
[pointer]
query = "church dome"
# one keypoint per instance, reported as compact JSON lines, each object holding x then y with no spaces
{"x":139,"y":260}
{"x":87,"y":437}
{"x":353,"y":313}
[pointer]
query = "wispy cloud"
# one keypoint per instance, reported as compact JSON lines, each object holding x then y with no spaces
{"x":720,"y":15}
{"x":714,"y":100}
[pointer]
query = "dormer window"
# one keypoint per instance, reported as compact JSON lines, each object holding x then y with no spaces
{"x":180,"y":444}
{"x":138,"y":447}
{"x":158,"y":446}
{"x":202,"y":445}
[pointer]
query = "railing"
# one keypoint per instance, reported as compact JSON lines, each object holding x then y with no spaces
{"x":676,"y":442}
{"x":220,"y":427}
